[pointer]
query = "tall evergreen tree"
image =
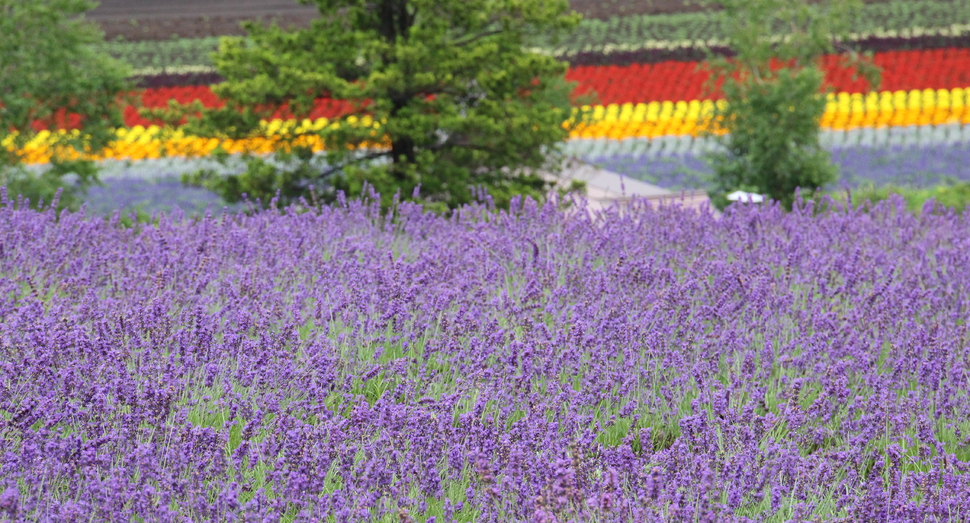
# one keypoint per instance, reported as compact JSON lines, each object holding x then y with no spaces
{"x":444,"y":94}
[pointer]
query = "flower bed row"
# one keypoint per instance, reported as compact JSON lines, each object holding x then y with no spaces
{"x":919,"y":156}
{"x":901,"y":71}
{"x":913,"y":155}
{"x":922,"y":157}
{"x":647,"y":53}
{"x":673,"y":81}
{"x":668,"y":81}
{"x":615,"y":121}
{"x":640,"y":38}
{"x":906,"y":20}
{"x":924,"y":165}
{"x":844,"y":111}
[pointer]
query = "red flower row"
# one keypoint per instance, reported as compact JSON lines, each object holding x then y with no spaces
{"x":674,"y":81}
{"x":902,"y":70}
{"x":154,"y":98}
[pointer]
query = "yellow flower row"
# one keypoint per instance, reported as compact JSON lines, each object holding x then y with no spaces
{"x":141,"y":143}
{"x":616,"y":121}
{"x":843,"y":111}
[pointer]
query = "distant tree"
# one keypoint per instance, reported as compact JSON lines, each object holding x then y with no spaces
{"x":50,"y":70}
{"x":774,"y":92}
{"x":446,"y":88}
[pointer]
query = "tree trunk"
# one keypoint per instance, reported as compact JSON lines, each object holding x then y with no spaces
{"x":404,"y":155}
{"x":395,"y":20}
{"x":402,"y":147}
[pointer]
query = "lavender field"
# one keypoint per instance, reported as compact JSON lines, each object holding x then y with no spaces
{"x":536,"y":365}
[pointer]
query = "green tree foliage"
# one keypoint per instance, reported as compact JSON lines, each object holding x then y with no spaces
{"x":446,"y":87}
{"x":48,"y":67}
{"x":775,"y":92}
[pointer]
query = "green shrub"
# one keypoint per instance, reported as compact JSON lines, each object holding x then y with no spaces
{"x":775,"y":97}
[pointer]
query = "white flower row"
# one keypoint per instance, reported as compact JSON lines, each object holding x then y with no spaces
{"x":176,"y":69}
{"x":914,"y":32}
{"x":953,"y":30}
{"x":885,"y":137}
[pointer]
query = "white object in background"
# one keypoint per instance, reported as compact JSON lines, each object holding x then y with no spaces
{"x":741,"y":196}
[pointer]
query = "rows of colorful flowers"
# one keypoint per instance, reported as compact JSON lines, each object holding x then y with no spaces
{"x":614,"y":121}
{"x":645,"y":95}
{"x":544,"y":363}
{"x":882,"y":26}
{"x":924,"y":87}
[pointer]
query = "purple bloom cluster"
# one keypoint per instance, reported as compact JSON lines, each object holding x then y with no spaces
{"x":542,"y":364}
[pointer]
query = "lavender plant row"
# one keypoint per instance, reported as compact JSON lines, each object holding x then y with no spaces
{"x":913,"y":166}
{"x":919,"y":156}
{"x":151,"y":196}
{"x":538,"y":365}
{"x":948,"y":135}
{"x":910,"y":135}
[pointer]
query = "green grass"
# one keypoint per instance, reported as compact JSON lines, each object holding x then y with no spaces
{"x":954,"y":196}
